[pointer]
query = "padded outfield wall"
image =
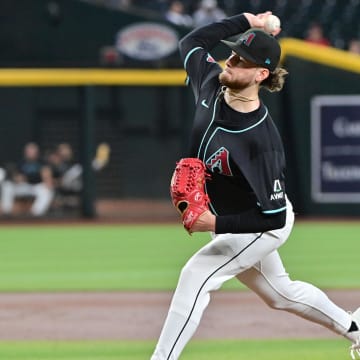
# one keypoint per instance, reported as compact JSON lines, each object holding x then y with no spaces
{"x":145,"y":114}
{"x":321,"y":128}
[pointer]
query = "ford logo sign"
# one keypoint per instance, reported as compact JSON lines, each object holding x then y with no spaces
{"x":146,"y":41}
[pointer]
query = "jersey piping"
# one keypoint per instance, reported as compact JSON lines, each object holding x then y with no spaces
{"x":208,"y":132}
{"x":274,"y":211}
{"x":189,"y":54}
{"x":233,"y":131}
{"x":202,"y":286}
{"x":207,"y":129}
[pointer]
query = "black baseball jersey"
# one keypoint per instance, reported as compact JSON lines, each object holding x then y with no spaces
{"x":242,"y":151}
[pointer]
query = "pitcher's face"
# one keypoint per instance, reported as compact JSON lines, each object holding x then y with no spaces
{"x":240,"y":73}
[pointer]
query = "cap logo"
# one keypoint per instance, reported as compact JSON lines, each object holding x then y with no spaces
{"x":248,"y":38}
{"x":268,"y":61}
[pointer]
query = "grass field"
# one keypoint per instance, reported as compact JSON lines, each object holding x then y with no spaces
{"x":196,"y":350}
{"x":116,"y":257}
{"x":57,"y":258}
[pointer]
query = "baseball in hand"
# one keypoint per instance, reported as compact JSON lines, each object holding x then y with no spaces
{"x":272,"y":23}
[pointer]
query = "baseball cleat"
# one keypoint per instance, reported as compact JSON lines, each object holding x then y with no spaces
{"x":355,"y":347}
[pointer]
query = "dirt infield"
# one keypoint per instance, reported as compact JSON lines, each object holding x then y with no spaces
{"x":139,"y":315}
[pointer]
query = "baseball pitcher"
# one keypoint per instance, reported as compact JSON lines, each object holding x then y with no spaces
{"x":232,"y":185}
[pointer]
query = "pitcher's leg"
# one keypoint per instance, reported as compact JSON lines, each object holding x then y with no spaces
{"x":270,"y":281}
{"x":205,"y":271}
{"x":220,"y":260}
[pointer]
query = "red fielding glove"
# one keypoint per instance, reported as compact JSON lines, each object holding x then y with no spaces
{"x":187,"y":190}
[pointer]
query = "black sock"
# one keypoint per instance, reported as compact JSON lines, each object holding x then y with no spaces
{"x":353,"y":327}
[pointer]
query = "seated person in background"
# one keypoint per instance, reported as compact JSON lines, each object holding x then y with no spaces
{"x":176,"y":14}
{"x":54,"y":162}
{"x":67,"y":182}
{"x":208,"y":12}
{"x":354,"y":46}
{"x":70,"y":180}
{"x":30,"y":178}
{"x":71,"y":172}
{"x":315,"y":35}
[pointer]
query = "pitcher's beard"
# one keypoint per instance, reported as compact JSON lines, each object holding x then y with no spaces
{"x":236,"y":85}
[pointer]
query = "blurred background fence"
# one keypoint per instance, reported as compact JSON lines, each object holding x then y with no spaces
{"x":74,"y":71}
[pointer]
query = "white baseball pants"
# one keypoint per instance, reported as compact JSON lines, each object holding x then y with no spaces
{"x":254,"y":260}
{"x":43,"y":196}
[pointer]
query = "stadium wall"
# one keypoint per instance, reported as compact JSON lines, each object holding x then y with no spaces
{"x":145,"y":114}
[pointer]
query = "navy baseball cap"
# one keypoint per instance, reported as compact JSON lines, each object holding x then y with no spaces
{"x":257,"y":46}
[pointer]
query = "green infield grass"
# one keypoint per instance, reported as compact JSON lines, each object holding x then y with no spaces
{"x":196,"y":350}
{"x":124,"y":257}
{"x":149,"y":257}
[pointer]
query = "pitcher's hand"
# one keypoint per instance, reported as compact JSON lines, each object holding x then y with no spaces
{"x":258,"y":21}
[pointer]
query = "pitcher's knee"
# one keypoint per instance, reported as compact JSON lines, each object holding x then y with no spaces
{"x":187,"y":273}
{"x":292,"y":295}
{"x":194,"y":280}
{"x":278,"y":303}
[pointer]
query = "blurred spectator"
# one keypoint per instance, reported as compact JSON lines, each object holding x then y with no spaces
{"x":53,"y":160}
{"x":110,"y":56}
{"x":208,"y":12}
{"x":71,"y":172}
{"x":31,"y":178}
{"x":70,"y":179}
{"x":315,"y":35}
{"x":176,"y":14}
{"x":354,"y":46}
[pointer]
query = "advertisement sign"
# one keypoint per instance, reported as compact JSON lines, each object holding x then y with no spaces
{"x":335,"y":149}
{"x":147,"y":41}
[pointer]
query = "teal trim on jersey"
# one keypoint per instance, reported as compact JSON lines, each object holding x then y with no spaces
{"x":274,"y":211}
{"x":207,"y":129}
{"x":248,"y":128}
{"x":211,"y":206}
{"x":189,"y":54}
{"x":202,"y":140}
{"x":234,"y":131}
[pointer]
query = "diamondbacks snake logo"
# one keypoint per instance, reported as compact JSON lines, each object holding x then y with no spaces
{"x":219,"y":162}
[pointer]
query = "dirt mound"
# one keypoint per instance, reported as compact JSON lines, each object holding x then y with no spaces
{"x":140,"y":315}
